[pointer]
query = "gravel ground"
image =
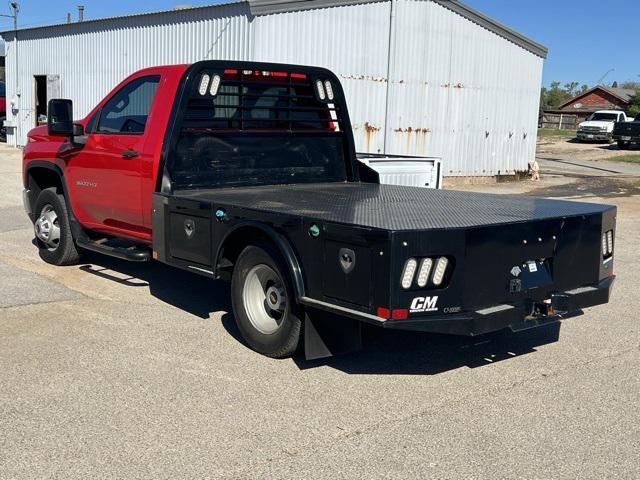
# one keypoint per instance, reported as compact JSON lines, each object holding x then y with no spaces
{"x":571,"y":148}
{"x":113,"y":370}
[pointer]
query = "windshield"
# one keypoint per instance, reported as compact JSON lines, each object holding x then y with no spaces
{"x":603,"y":116}
{"x":260,"y":128}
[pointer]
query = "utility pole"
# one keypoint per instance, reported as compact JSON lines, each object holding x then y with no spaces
{"x":15,"y":8}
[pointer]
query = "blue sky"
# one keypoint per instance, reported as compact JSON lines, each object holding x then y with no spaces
{"x":586,"y":38}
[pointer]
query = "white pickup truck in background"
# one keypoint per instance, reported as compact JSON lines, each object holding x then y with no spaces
{"x":424,"y":172}
{"x":599,"y":125}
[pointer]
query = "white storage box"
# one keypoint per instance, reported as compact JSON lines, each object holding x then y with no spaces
{"x":424,"y":172}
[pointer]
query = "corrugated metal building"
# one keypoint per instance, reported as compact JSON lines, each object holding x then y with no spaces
{"x":422,"y":77}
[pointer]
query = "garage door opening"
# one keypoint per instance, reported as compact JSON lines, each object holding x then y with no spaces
{"x":40,"y":99}
{"x":45,"y":87}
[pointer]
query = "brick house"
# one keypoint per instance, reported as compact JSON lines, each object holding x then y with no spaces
{"x":598,"y":98}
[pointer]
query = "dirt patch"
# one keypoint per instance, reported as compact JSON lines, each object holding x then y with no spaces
{"x":563,"y":148}
{"x":602,"y":187}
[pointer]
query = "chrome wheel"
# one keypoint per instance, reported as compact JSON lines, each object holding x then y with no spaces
{"x":265,"y":299}
{"x":47,"y":228}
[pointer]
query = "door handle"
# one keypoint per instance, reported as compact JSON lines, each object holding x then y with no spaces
{"x":128,"y":153}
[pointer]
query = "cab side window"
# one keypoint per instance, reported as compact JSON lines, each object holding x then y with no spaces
{"x":127,"y":111}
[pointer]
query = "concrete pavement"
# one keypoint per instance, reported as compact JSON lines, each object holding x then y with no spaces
{"x":114,"y":370}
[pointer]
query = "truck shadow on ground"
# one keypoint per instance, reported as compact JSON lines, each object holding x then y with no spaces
{"x":388,"y":352}
{"x":192,"y":293}
{"x":614,"y":146}
{"x":384,"y":351}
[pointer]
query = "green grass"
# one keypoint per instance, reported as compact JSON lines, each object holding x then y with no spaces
{"x":631,"y":158}
{"x":552,"y":134}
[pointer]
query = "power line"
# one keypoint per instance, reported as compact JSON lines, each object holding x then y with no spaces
{"x":43,"y":22}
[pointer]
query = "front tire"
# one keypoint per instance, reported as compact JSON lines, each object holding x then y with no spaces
{"x":263,"y":303}
{"x":622,"y":145}
{"x":53,"y":231}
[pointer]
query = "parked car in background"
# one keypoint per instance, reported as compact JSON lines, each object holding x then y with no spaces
{"x":3,"y":112}
{"x":627,"y":133}
{"x":599,"y":126}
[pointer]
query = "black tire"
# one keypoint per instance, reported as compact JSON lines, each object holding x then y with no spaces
{"x":284,"y":341}
{"x":622,"y":145}
{"x":66,"y":252}
{"x":3,"y":130}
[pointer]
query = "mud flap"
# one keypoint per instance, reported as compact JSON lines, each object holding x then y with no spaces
{"x":326,"y":335}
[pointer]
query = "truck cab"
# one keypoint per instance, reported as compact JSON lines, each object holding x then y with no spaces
{"x":599,"y":125}
{"x":247,"y":172}
{"x":627,"y":133}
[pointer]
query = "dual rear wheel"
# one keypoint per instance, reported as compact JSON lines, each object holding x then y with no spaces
{"x":263,"y":302}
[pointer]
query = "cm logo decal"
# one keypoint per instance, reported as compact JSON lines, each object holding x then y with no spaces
{"x":424,"y":304}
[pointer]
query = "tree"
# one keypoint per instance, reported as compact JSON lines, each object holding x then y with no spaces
{"x":631,"y":85}
{"x":634,"y":108}
{"x":555,"y":95}
{"x":570,"y":88}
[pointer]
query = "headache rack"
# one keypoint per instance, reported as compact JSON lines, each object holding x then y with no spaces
{"x":259,"y":100}
{"x":240,"y":125}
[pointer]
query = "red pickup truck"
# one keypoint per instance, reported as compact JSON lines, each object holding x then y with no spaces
{"x":248,"y":172}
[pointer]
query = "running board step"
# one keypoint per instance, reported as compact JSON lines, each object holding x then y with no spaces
{"x":122,"y":249}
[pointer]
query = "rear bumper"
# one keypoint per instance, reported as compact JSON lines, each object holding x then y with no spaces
{"x":627,"y":138}
{"x":594,"y":136}
{"x":517,"y":317}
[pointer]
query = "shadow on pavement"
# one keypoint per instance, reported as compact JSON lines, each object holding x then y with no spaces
{"x":197,"y":295}
{"x":385,"y":351}
{"x":389,"y":352}
{"x":614,"y":146}
{"x":590,"y":142}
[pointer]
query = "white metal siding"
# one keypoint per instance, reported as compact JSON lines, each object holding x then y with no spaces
{"x":461,"y":92}
{"x":352,"y":41}
{"x":92,"y":58}
{"x":457,"y":90}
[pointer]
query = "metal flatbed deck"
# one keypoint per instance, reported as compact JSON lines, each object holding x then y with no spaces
{"x":392,"y":207}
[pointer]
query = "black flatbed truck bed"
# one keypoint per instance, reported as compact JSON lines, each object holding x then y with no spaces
{"x":491,"y":242}
{"x":393,"y":208}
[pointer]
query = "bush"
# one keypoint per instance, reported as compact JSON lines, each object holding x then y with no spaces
{"x":634,"y":109}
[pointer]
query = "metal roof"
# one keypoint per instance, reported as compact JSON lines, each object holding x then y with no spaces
{"x":92,"y":21}
{"x":267,"y":7}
